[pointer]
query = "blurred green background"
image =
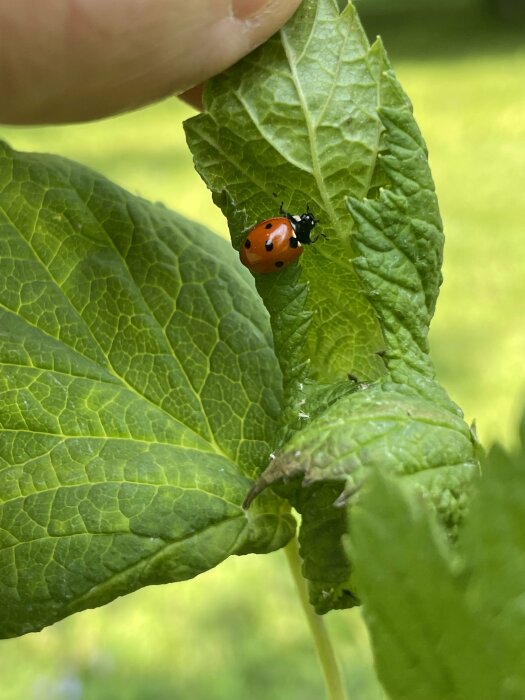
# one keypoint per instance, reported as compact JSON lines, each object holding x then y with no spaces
{"x":238,"y":631}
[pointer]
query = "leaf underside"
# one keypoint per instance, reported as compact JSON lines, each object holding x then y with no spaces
{"x":317,"y":117}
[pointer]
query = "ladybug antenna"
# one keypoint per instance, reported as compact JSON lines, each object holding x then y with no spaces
{"x":308,"y":211}
{"x":283,"y":212}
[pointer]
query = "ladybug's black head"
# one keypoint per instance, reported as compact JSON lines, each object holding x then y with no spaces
{"x":303,"y":226}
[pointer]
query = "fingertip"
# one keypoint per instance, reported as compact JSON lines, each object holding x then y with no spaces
{"x":262,"y":18}
{"x":248,"y":25}
{"x":248,"y":9}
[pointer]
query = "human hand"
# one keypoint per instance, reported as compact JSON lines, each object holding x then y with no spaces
{"x":75,"y":60}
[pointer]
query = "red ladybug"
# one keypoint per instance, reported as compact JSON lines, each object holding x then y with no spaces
{"x":275,"y":243}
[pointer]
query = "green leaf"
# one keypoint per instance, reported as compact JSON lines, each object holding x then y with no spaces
{"x":403,"y":434}
{"x":411,"y":594}
{"x":139,"y":392}
{"x":446,"y":622}
{"x":493,"y":544}
{"x":298,"y":118}
{"x":317,"y":116}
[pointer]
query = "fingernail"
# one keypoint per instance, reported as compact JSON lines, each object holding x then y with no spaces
{"x":244,"y":9}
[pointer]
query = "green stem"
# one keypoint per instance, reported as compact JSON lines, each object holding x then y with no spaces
{"x":334,"y":683}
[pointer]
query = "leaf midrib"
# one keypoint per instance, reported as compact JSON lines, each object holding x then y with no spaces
{"x":63,"y":437}
{"x":312,"y":128}
{"x":95,"y":485}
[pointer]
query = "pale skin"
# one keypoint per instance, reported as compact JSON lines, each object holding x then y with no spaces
{"x":76,"y":60}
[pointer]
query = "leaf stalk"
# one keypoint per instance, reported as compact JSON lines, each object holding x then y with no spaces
{"x":335,"y":689}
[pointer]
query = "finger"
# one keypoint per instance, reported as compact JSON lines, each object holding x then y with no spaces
{"x":72,"y":60}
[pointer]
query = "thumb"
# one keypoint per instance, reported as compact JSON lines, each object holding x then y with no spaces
{"x":75,"y":60}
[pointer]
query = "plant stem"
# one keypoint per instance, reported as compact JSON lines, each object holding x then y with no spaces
{"x":334,"y":683}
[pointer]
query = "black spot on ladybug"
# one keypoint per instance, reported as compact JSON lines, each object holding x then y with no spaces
{"x":268,"y":245}
{"x":247,"y":243}
{"x":269,"y":225}
{"x":279,"y":263}
{"x":294,"y":242}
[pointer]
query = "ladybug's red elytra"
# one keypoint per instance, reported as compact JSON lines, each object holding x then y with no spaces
{"x":275,"y":243}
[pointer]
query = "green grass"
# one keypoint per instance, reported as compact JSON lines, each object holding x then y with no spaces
{"x":473,"y":117}
{"x":237,"y":632}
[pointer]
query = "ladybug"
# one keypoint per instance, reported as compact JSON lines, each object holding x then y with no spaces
{"x":275,"y":243}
